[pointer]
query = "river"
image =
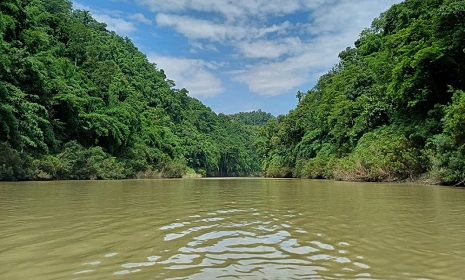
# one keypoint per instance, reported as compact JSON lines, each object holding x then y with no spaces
{"x":230,"y":229}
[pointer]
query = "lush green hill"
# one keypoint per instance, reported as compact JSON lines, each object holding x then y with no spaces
{"x":80,"y":102}
{"x":393,"y":108}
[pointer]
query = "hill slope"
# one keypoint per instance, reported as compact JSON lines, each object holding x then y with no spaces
{"x":393,"y":108}
{"x":80,"y":102}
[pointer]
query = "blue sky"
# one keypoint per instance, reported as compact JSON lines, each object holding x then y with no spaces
{"x":240,"y":55}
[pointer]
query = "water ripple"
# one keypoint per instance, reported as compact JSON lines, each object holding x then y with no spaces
{"x":230,"y":229}
{"x":271,"y":245}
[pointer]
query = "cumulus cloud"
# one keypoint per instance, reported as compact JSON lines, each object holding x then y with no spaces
{"x":271,"y":49}
{"x":140,"y":18}
{"x":198,"y":46}
{"x":119,"y":25}
{"x":276,"y":46}
{"x":270,"y":78}
{"x":346,"y":16}
{"x":231,"y":10}
{"x":193,"y":74}
{"x":287,"y":54}
{"x":331,"y":28}
{"x":194,"y":28}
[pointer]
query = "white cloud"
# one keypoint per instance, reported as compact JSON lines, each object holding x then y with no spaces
{"x":286,"y":61}
{"x":140,"y":18}
{"x":119,"y":25}
{"x":332,"y":28}
{"x":270,"y":78}
{"x":271,"y":49}
{"x":231,"y":10}
{"x":275,"y":78}
{"x":274,"y":53}
{"x":220,"y":32}
{"x":194,"y":28}
{"x":198,"y":46}
{"x":346,"y":16}
{"x":193,"y":74}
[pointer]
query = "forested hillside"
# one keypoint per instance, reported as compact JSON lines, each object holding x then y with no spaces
{"x":393,"y":108}
{"x":80,"y":102}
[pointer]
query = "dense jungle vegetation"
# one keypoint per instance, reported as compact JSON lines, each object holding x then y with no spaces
{"x":393,"y":108}
{"x":80,"y":102}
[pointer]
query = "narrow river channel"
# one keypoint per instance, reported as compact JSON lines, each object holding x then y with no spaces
{"x":230,"y":229}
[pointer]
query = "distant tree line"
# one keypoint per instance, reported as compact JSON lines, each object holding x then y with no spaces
{"x":254,"y":118}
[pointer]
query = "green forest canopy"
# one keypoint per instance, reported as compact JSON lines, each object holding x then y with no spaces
{"x":80,"y":102}
{"x":393,"y":108}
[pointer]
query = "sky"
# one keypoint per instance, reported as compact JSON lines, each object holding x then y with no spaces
{"x":240,"y":55}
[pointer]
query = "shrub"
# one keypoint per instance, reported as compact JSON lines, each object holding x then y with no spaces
{"x":14,"y":165}
{"x":77,"y":162}
{"x":276,"y":169}
{"x":448,"y":148}
{"x":382,"y":155}
{"x":319,"y":167}
{"x":173,"y":169}
{"x":48,"y":167}
{"x":101,"y":165}
{"x":448,"y":161}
